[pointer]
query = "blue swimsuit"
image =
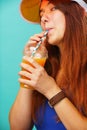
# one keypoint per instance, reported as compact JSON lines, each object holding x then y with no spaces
{"x":49,"y":121}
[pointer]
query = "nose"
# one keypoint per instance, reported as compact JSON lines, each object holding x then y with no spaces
{"x":45,"y":17}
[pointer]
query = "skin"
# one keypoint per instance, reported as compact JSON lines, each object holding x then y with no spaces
{"x":53,"y":20}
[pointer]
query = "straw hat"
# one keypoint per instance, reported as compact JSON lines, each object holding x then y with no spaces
{"x":30,"y":9}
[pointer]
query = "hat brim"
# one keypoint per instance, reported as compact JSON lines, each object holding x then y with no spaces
{"x":30,"y":10}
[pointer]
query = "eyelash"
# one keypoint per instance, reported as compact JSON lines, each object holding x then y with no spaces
{"x":52,"y":9}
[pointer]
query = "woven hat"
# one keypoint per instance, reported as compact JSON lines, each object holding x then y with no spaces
{"x":30,"y":9}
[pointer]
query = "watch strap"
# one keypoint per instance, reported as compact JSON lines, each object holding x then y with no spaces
{"x":56,"y":99}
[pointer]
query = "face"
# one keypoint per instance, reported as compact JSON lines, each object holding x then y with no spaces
{"x":52,"y":20}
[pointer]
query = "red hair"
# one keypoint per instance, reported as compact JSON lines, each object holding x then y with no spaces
{"x":72,"y":77}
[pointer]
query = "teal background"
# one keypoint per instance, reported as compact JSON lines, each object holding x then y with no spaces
{"x":14,"y":33}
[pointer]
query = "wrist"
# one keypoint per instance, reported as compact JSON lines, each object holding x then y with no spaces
{"x":25,"y":91}
{"x":53,"y":91}
{"x":56,"y":98}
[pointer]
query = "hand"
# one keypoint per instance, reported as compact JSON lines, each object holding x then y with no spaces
{"x":32,"y":42}
{"x":37,"y":77}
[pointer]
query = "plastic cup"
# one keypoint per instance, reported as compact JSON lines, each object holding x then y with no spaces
{"x":40,"y":57}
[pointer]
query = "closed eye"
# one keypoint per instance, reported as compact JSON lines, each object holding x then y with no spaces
{"x":54,"y":8}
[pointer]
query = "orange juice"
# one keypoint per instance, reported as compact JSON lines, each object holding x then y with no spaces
{"x":41,"y":61}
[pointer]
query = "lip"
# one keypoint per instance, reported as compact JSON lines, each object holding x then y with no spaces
{"x":49,"y":30}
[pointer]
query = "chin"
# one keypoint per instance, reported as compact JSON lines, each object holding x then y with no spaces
{"x":52,"y":41}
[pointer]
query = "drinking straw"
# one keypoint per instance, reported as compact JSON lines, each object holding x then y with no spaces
{"x":39,"y":43}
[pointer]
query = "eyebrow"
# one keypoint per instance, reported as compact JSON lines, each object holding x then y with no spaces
{"x":42,"y":10}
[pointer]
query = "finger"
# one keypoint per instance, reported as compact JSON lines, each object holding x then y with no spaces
{"x":25,"y":75}
{"x":31,"y":61}
{"x":33,"y":41}
{"x":27,"y":65}
{"x":29,"y":43}
{"x":25,"y":81}
{"x":35,"y":38}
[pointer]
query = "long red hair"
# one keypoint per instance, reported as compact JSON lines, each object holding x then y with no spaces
{"x":70,"y":68}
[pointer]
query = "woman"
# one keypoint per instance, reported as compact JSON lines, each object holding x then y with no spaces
{"x":59,"y":101}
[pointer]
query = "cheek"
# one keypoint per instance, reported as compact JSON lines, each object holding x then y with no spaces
{"x":60,"y":25}
{"x":59,"y":18}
